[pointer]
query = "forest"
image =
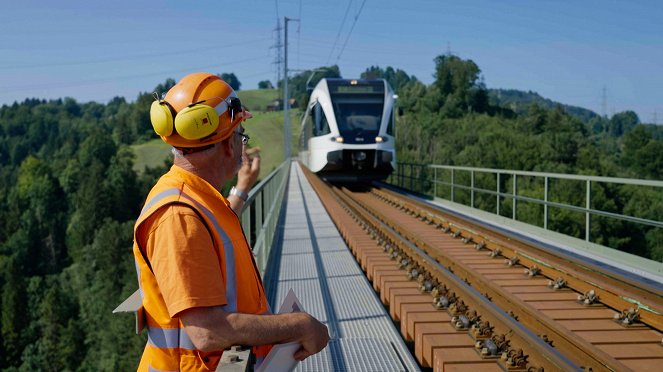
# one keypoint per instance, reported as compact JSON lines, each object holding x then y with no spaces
{"x":71,"y":196}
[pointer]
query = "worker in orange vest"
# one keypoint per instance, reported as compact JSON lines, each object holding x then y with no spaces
{"x":199,"y":284}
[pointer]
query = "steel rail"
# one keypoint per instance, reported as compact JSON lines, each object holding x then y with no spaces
{"x":581,"y":351}
{"x":614,"y":290}
{"x":540,"y":353}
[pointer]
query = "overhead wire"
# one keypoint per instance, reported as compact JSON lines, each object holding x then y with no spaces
{"x":129,"y":57}
{"x":338,"y":35}
{"x":126,"y":77}
{"x":351,"y":29}
{"x":106,"y":100}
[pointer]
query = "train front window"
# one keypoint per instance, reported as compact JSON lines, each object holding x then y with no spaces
{"x":321,"y":124}
{"x":359,"y":119}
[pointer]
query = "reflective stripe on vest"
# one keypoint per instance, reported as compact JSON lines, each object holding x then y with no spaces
{"x":229,"y":252}
{"x":169,"y":338}
{"x":140,"y":285}
{"x":228,"y":248}
{"x":152,"y":369}
{"x":161,"y":195}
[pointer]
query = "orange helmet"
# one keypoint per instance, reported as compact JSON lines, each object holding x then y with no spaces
{"x":201,"y":109}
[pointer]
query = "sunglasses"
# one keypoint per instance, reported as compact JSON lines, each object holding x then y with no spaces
{"x":235,"y":107}
{"x":245,"y":138}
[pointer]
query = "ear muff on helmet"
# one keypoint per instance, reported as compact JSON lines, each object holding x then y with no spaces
{"x":193,"y":122}
{"x":161,"y":116}
{"x":196,"y":121}
{"x":199,"y":110}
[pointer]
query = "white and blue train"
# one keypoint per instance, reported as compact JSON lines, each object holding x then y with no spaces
{"x":348,"y":130}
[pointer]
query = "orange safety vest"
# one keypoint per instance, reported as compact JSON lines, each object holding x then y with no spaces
{"x":169,"y":347}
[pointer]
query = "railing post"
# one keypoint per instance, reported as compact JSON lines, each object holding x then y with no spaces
{"x":588,"y":205}
{"x":422,"y":179}
{"x":545,"y":203}
{"x":411,"y":177}
{"x":515,"y":194}
{"x":246,"y":224}
{"x":259,"y":215}
{"x":452,"y":184}
{"x":434,"y":183}
{"x":498,"y":194}
{"x":472,"y":189}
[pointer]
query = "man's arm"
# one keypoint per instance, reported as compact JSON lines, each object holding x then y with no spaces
{"x":211,"y":328}
{"x":246,"y":177}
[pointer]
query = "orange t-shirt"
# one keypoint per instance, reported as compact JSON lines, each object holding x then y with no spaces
{"x":184,"y":260}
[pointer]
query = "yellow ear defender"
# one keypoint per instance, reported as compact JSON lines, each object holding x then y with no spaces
{"x":194,"y":122}
{"x":161,"y":116}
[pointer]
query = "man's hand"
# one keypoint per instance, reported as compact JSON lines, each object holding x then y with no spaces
{"x":315,"y":337}
{"x":250,"y":169}
{"x":211,"y":328}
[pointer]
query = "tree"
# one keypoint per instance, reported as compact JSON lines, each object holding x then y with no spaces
{"x":397,"y":78}
{"x":14,"y":320}
{"x":298,"y":88}
{"x":231,"y":79}
{"x":265,"y":84}
{"x":623,"y":122}
{"x":460,"y":86}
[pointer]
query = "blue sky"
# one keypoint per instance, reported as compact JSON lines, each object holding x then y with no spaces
{"x":564,"y":50}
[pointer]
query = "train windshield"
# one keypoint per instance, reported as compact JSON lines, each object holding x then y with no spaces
{"x":358,"y":122}
{"x":358,"y":110}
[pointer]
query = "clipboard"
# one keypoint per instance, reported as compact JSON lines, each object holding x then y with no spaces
{"x":280,"y":358}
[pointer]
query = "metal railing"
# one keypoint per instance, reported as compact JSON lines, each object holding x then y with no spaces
{"x":260,"y":213}
{"x":424,"y":179}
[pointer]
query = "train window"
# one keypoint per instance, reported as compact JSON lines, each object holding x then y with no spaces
{"x":321,"y":123}
{"x":391,"y":124}
{"x":358,"y":119}
{"x":308,"y":126}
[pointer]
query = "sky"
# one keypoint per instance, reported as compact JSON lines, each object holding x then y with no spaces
{"x":565,"y":50}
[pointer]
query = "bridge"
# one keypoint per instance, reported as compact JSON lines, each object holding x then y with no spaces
{"x":412,"y":274}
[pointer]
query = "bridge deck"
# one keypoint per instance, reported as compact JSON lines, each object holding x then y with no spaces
{"x":311,"y":258}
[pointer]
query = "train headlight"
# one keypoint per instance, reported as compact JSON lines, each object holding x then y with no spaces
{"x":380,"y":139}
{"x":338,"y":139}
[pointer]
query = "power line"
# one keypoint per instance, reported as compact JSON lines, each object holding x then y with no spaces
{"x":338,"y":35}
{"x":126,"y":77}
{"x":130,"y":57}
{"x":351,"y":29}
{"x":106,"y":100}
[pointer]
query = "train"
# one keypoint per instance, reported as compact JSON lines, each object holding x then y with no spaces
{"x":348,"y":130}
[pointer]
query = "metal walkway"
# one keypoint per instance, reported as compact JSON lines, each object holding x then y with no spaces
{"x":311,"y":258}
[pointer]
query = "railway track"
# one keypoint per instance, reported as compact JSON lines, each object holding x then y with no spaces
{"x":468,"y":298}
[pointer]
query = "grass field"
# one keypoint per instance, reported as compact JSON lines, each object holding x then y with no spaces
{"x":256,"y":100}
{"x":151,"y":154}
{"x":265,"y":130}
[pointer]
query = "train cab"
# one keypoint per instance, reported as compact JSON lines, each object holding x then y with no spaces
{"x":348,"y":130}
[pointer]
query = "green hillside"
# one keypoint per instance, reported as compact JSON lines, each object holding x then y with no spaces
{"x":258,"y":99}
{"x":150,"y":154}
{"x":520,"y":101}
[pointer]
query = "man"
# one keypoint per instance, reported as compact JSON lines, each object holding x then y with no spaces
{"x":200,"y":287}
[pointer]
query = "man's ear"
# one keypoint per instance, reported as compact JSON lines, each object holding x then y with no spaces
{"x":227,"y":147}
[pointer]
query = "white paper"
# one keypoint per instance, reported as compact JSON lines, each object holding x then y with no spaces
{"x":280,"y":358}
{"x":291,"y":304}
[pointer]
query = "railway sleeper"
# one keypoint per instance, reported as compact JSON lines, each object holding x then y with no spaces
{"x":514,"y":358}
{"x":611,"y":297}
